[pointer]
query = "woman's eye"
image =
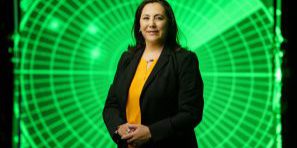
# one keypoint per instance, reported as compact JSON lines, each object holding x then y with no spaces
{"x":145,"y":18}
{"x":159,"y":18}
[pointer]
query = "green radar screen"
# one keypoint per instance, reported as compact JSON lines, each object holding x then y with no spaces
{"x":66,"y":54}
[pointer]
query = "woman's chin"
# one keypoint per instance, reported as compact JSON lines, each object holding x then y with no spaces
{"x":153,"y":39}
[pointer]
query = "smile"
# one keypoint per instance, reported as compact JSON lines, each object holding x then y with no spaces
{"x":152,"y":32}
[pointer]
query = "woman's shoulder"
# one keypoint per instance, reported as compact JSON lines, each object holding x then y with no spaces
{"x":129,"y":52}
{"x":125,"y":57}
{"x":183,"y":52}
{"x":184,"y":57}
{"x":126,"y":54}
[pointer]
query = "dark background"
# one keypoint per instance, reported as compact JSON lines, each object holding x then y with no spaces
{"x":289,"y":74}
{"x":289,"y":66}
{"x":6,"y":75}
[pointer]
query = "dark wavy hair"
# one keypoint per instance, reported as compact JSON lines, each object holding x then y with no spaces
{"x":172,"y":33}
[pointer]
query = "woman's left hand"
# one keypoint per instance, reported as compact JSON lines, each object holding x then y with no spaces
{"x":139,"y":136}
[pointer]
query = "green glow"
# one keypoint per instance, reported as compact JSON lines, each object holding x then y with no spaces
{"x":95,"y":53}
{"x":66,"y":53}
{"x":54,"y":24}
{"x":92,"y":29}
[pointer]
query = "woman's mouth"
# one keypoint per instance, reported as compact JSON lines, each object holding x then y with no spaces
{"x":152,"y":32}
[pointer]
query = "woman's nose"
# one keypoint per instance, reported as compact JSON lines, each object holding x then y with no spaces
{"x":152,"y":23}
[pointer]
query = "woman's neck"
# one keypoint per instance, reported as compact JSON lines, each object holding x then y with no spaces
{"x":153,"y":47}
{"x":152,"y":52}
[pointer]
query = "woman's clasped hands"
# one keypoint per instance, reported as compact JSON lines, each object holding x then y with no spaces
{"x":134,"y":134}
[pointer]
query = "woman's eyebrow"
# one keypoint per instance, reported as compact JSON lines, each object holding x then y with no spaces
{"x":154,"y":15}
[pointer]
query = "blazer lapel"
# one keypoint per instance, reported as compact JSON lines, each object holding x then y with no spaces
{"x":129,"y":75}
{"x":162,"y":61}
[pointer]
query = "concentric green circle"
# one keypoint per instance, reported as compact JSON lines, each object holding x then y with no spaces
{"x":68,"y":50}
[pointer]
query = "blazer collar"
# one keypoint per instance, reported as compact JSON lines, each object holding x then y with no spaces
{"x":162,"y":61}
{"x":129,"y":74}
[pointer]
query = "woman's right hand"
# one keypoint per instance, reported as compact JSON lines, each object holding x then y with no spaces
{"x":124,"y":129}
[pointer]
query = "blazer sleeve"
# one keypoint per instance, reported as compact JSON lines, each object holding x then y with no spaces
{"x":111,"y":110}
{"x":190,"y":101}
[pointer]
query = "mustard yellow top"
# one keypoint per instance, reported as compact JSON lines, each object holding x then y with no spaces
{"x":133,"y":106}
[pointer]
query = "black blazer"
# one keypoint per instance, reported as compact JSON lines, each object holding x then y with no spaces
{"x":171,"y":101}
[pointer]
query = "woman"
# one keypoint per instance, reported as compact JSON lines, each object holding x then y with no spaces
{"x":156,"y":98}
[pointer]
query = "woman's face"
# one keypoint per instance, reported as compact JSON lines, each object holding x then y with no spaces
{"x":153,"y":23}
